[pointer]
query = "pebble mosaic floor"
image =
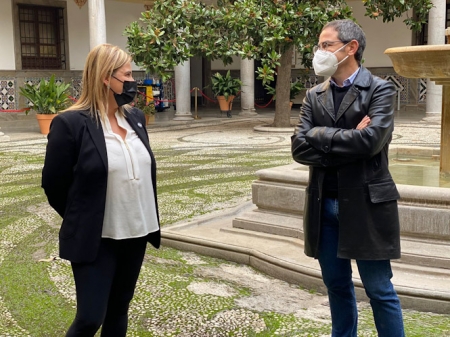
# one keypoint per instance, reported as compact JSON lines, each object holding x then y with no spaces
{"x":178,"y":293}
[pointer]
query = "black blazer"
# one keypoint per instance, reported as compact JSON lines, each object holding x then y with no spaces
{"x":74,"y":179}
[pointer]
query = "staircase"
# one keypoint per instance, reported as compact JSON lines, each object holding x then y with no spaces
{"x":421,"y":276}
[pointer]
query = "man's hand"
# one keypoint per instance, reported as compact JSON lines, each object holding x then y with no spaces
{"x":364,"y":123}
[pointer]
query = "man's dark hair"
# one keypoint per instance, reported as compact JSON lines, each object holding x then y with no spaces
{"x":348,"y":30}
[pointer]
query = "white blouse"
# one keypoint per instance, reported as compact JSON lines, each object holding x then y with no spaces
{"x":130,"y":210}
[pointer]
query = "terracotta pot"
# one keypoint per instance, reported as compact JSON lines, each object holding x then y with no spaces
{"x":44,"y":121}
{"x":290,"y":104}
{"x":225,"y":105}
{"x":149,"y":119}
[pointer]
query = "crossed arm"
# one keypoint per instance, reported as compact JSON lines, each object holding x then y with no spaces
{"x":325,"y":146}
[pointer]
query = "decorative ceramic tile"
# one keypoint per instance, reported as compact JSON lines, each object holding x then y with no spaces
{"x":401,"y":83}
{"x":309,"y":82}
{"x":76,"y":87}
{"x":422,"y":90}
{"x":7,"y":93}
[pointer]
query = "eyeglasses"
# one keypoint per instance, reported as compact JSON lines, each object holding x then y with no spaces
{"x":325,"y":44}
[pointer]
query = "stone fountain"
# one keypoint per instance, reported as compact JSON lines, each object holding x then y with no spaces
{"x":429,"y":62}
{"x":278,"y":197}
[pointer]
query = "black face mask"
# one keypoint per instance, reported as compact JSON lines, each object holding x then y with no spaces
{"x":128,"y":94}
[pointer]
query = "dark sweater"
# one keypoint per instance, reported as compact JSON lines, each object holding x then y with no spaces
{"x":330,"y":184}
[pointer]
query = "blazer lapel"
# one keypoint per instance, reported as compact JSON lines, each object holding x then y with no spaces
{"x":326,"y":99}
{"x":348,"y":100}
{"x":96,"y":131}
{"x":362,"y":81}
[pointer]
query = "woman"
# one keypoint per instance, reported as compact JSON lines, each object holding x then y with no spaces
{"x":100,"y":176}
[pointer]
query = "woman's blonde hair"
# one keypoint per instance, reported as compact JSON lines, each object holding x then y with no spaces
{"x":101,"y":63}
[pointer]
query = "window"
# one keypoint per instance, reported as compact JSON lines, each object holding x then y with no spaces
{"x":41,"y":31}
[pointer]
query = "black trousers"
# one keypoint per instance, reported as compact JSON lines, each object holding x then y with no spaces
{"x":105,"y":288}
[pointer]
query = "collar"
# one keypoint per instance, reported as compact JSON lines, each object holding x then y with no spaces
{"x":348,"y":82}
{"x":362,"y":80}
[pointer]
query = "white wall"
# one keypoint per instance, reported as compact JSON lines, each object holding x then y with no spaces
{"x":7,"y":61}
{"x":118,"y":16}
{"x":380,"y":36}
{"x":78,"y":29}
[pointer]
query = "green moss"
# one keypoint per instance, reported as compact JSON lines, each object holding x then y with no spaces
{"x":179,"y":284}
{"x":31,"y":296}
{"x":190,"y":185}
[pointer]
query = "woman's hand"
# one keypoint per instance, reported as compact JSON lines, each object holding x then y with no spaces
{"x":364,"y":123}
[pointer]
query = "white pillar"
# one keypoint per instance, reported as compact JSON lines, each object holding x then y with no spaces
{"x":436,"y":35}
{"x":183,"y":91}
{"x":248,"y":88}
{"x":97,"y":23}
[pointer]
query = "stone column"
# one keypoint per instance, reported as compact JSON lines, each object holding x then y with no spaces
{"x":97,"y":23}
{"x":436,"y":35}
{"x":248,"y":88}
{"x":183,"y":92}
{"x":445,"y":123}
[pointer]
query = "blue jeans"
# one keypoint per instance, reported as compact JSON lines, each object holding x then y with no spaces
{"x":337,"y":275}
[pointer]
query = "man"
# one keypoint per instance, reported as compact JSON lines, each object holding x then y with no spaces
{"x":344,"y":132}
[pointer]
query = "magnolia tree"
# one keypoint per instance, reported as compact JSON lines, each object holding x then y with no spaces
{"x":266,"y":30}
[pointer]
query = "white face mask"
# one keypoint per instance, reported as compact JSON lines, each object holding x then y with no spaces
{"x":325,"y":63}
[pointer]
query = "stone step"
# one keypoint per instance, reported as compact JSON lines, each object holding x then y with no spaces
{"x":425,"y":252}
{"x":432,"y":276}
{"x":7,"y":116}
{"x":415,"y":251}
{"x":20,"y":124}
{"x":271,"y":223}
{"x":420,"y":287}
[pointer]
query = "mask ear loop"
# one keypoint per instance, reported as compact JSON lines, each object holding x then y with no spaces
{"x":344,"y":57}
{"x":108,"y":87}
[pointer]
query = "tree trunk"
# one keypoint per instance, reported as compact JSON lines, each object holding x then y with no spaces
{"x":282,"y":109}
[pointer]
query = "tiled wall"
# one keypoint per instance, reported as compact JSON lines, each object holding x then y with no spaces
{"x":10,"y":99}
{"x":8,"y":93}
{"x":411,"y":91}
{"x":422,"y":90}
{"x":407,"y":86}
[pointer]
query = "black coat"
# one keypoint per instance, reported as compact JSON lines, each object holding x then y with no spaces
{"x":368,"y":215}
{"x":75,"y":176}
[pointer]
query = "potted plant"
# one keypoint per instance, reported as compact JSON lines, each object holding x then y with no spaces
{"x":294,"y":90}
{"x":147,"y":106}
{"x":48,"y":98}
{"x":225,"y":88}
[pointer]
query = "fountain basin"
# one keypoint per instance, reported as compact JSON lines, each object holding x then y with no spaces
{"x":424,"y":211}
{"x":429,"y":61}
{"x":433,"y":62}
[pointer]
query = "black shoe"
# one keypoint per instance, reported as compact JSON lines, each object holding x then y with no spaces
{"x":228,"y":114}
